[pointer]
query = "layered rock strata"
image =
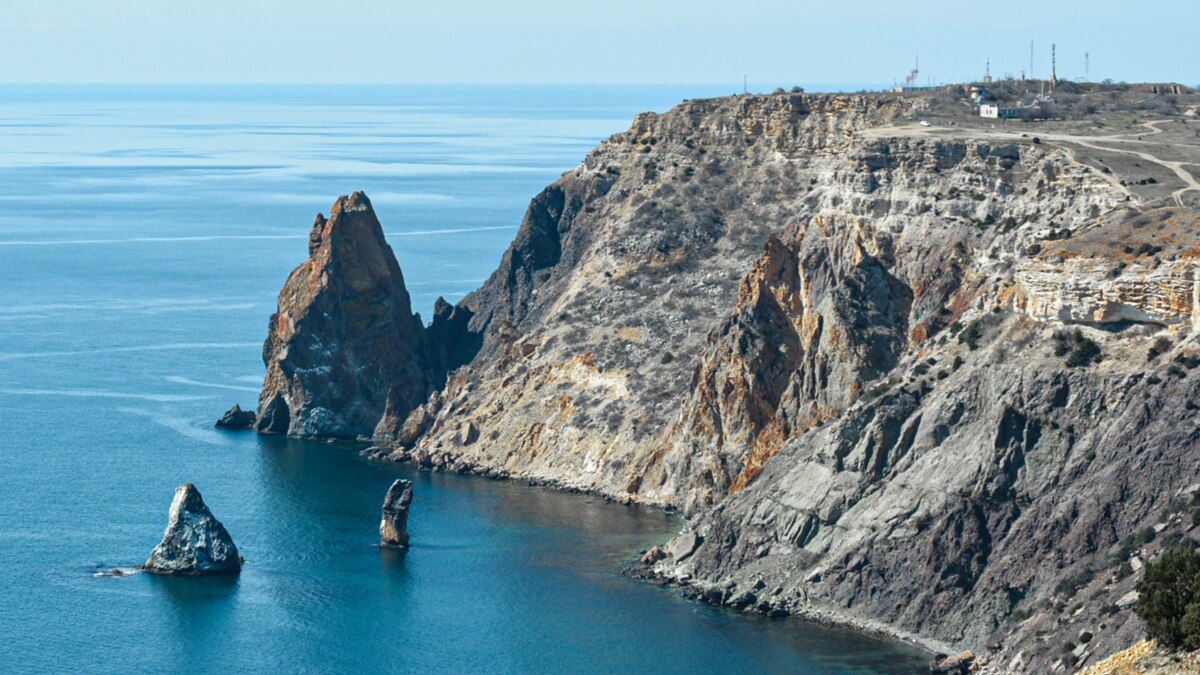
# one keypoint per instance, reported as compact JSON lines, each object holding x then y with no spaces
{"x":936,"y":384}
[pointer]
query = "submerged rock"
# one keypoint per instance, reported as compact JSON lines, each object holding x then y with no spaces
{"x":393,"y":529}
{"x":195,"y":543}
{"x":237,"y":419}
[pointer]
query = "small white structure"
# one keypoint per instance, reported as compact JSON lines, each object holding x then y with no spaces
{"x":996,"y":112}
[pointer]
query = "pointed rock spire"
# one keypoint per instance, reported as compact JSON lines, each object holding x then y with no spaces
{"x":344,"y":344}
{"x":195,"y":542}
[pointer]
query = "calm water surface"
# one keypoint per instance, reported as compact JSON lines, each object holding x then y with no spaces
{"x":144,"y":234}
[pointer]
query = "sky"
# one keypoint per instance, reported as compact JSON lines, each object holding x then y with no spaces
{"x":592,"y":41}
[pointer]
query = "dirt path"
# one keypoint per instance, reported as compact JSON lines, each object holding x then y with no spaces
{"x":1189,"y":180}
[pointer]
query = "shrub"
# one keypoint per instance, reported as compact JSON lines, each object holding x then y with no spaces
{"x":1188,"y":361}
{"x":1124,"y":571}
{"x":1169,"y":599}
{"x":970,"y":336}
{"x":1070,"y":586}
{"x":1079,"y":349}
{"x":1161,"y":346}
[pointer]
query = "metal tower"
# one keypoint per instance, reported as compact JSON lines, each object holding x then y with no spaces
{"x":1053,"y":74}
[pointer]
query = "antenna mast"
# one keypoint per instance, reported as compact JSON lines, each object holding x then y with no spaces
{"x":1031,"y":59}
{"x":1053,"y":60}
{"x":1086,"y":65}
{"x":911,"y":81}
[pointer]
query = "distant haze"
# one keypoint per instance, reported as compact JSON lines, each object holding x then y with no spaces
{"x":614,"y":41}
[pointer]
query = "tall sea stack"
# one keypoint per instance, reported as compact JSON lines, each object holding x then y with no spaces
{"x":393,"y":528}
{"x":344,"y":345}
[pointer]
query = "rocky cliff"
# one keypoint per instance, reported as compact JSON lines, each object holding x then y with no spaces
{"x":934,"y":381}
{"x":345,"y":355}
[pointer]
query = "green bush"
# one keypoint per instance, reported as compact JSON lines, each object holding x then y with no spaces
{"x":1169,"y":599}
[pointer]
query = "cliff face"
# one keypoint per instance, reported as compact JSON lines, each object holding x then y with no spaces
{"x":934,"y":381}
{"x":632,"y":345}
{"x":591,"y":325}
{"x":815,"y":319}
{"x":344,"y":346}
{"x":986,"y":487}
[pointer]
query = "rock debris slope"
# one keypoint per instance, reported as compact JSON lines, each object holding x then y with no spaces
{"x":939,"y":383}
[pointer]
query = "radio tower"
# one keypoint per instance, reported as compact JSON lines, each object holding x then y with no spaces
{"x":1086,"y":65}
{"x":1053,"y":75}
{"x":911,"y":82}
{"x":1031,"y":60}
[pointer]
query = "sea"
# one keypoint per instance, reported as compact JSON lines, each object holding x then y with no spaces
{"x":145,"y":232}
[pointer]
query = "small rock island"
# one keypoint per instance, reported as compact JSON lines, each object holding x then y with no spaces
{"x":393,"y":529}
{"x":195,"y":543}
{"x":236,"y":419}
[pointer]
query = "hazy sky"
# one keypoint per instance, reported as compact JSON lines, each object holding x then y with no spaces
{"x":624,"y":41}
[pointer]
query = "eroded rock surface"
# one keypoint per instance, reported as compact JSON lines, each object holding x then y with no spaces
{"x":195,"y":542}
{"x":929,"y":382}
{"x":345,"y":355}
{"x":393,"y":528}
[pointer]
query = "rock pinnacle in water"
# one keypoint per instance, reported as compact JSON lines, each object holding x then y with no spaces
{"x":195,"y":543}
{"x":393,"y":529}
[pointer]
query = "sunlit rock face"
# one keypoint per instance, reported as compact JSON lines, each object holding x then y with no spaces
{"x":195,"y":542}
{"x":344,"y":346}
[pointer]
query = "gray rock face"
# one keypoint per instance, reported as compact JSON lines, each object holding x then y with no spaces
{"x":195,"y":543}
{"x":236,"y":419}
{"x":393,"y":529}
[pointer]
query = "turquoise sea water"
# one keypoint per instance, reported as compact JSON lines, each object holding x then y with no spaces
{"x":144,"y":234}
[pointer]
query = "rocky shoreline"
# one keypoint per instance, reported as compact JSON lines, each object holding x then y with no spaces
{"x":779,"y":609}
{"x":854,"y":351}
